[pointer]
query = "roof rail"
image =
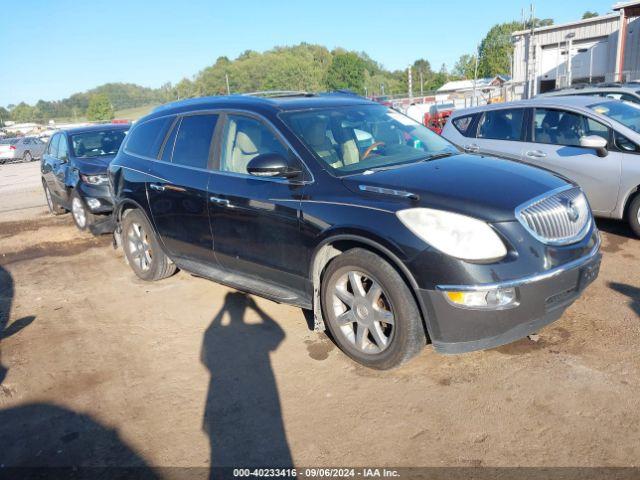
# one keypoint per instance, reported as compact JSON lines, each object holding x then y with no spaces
{"x":609,"y":84}
{"x":279,"y":93}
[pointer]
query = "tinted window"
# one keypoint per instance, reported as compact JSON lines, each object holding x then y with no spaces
{"x":559,"y":127}
{"x":502,"y":124}
{"x":244,"y":139}
{"x":625,"y":145}
{"x":193,"y":141}
{"x":167,"y":150}
{"x":462,"y":124}
{"x":146,"y":138}
{"x":53,"y":146}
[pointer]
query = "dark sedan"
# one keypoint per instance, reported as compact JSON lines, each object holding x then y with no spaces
{"x":74,"y":171}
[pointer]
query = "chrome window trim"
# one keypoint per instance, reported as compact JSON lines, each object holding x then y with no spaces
{"x":528,"y":279}
{"x":576,"y":238}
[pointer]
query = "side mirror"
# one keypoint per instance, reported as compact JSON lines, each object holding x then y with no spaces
{"x":596,"y":142}
{"x":272,"y":165}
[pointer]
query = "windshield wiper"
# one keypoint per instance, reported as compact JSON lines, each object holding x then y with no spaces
{"x":436,"y":156}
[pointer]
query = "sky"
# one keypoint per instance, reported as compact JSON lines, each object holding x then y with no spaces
{"x":50,"y":49}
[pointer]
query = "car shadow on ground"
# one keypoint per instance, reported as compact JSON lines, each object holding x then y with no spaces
{"x":630,"y":291}
{"x":615,"y":227}
{"x":243,"y":416}
{"x":38,"y":436}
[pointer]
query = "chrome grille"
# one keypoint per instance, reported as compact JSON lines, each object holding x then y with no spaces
{"x":558,"y":217}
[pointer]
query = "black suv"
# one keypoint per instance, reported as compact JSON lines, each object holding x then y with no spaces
{"x":74,"y":172}
{"x":346,"y":207}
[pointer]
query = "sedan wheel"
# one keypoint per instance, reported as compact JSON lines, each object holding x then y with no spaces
{"x":363,"y":312}
{"x":79,"y":213}
{"x":26,"y":157}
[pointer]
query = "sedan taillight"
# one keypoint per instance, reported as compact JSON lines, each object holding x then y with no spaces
{"x":12,"y":147}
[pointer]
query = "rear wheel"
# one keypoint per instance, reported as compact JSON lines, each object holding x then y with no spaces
{"x":370,"y":311}
{"x":54,"y":207}
{"x":81,"y":214}
{"x":633,"y":215}
{"x":142,"y":250}
{"x":26,"y":157}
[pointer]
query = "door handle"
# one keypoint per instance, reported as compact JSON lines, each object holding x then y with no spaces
{"x":535,"y":154}
{"x":223,"y":202}
{"x":472,"y":148}
{"x":156,"y":186}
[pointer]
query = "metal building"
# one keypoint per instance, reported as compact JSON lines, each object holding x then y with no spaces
{"x":600,"y":49}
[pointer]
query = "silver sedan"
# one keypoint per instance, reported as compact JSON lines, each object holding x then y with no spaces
{"x":23,"y":149}
{"x":593,"y":141}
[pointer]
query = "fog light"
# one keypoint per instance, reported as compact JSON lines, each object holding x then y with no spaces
{"x":93,"y":203}
{"x":493,"y":298}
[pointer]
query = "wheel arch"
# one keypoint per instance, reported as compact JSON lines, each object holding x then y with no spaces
{"x":631,"y":194}
{"x":336,"y":244}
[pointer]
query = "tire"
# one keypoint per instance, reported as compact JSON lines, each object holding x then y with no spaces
{"x":82,"y":217}
{"x":26,"y":157}
{"x":142,"y":250}
{"x":391,"y":314}
{"x":54,"y":207}
{"x":633,"y":212}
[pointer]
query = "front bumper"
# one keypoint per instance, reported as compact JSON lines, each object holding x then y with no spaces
{"x":100,"y":193}
{"x":542,"y":299}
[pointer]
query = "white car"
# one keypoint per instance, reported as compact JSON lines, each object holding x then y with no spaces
{"x":23,"y":149}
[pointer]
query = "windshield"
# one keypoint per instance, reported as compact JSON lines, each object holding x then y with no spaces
{"x":361,"y":137}
{"x":626,"y":113}
{"x":97,"y":143}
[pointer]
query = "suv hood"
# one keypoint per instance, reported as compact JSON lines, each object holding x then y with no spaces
{"x":483,"y":187}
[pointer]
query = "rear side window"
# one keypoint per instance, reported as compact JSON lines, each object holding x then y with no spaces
{"x":146,"y":139}
{"x":462,"y":124}
{"x":193,"y":141}
{"x":53,"y":146}
{"x":502,"y":124}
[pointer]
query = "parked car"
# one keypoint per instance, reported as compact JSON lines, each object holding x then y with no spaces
{"x":23,"y":149}
{"x":74,"y":171}
{"x":592,"y":141}
{"x":389,"y":242}
{"x":629,"y":92}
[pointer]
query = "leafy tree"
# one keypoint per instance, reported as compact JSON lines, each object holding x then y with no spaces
{"x":22,"y":113}
{"x":347,"y":71}
{"x":589,"y":14}
{"x":99,"y":108}
{"x":4,"y":116}
{"x":465,"y":66}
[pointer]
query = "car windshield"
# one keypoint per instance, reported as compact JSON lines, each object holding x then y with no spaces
{"x":361,"y":137}
{"x":97,"y":143}
{"x":626,"y":113}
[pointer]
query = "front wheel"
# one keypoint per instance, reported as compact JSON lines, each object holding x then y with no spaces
{"x":26,"y":157}
{"x":82,"y":217}
{"x":633,"y":215}
{"x":142,"y":250}
{"x":370,"y":311}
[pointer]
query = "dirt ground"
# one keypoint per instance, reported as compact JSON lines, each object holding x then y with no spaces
{"x":100,"y":368}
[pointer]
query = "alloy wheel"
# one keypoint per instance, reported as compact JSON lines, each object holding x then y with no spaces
{"x":79,"y":213}
{"x":139,"y":247}
{"x":363,"y":312}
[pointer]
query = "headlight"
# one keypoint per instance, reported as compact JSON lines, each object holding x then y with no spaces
{"x":94,"y":179}
{"x":454,"y":234}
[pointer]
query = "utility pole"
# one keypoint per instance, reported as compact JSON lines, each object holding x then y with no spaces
{"x":410,"y":85}
{"x":226,"y":78}
{"x":475,"y":76}
{"x":421,"y":84}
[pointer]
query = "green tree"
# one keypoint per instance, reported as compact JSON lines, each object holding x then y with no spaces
{"x":22,"y":113}
{"x":4,"y":116}
{"x":99,"y":108}
{"x":347,"y":71}
{"x":465,"y":66}
{"x":589,"y":14}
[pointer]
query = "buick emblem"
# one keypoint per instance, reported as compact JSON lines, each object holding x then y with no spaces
{"x":572,"y":211}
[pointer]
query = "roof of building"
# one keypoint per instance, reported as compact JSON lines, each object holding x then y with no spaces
{"x":561,"y":26}
{"x":460,"y":85}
